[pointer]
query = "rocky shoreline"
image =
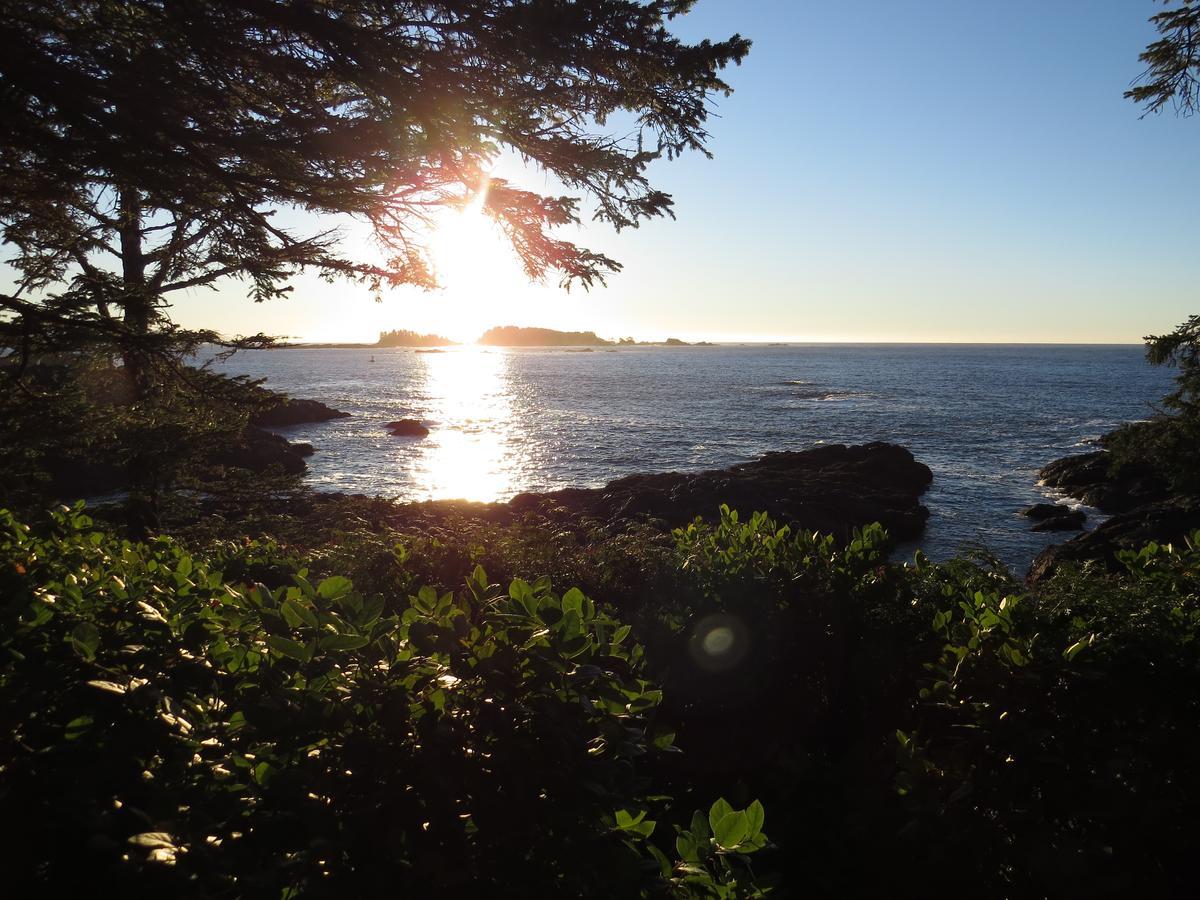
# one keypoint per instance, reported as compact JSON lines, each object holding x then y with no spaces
{"x":832,"y":489}
{"x":1138,"y":499}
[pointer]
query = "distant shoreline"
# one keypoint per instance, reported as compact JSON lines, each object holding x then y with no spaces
{"x":764,"y":344}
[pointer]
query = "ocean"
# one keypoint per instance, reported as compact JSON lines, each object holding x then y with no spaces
{"x":984,"y":418}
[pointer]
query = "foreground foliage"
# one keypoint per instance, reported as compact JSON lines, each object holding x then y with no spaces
{"x":175,"y":729}
{"x":368,"y":712}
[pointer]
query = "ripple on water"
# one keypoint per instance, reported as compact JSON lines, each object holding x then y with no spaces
{"x":984,"y":418}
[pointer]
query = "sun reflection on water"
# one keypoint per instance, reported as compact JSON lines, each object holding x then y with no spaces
{"x":467,"y":455}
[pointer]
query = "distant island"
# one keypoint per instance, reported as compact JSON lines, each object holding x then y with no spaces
{"x":669,"y":342}
{"x":514,"y":336}
{"x":500,"y":336}
{"x":402,"y":337}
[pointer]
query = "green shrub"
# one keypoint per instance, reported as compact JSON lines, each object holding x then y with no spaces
{"x":1055,"y":746}
{"x":174,"y":730}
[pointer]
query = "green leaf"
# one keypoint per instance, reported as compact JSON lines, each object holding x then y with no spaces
{"x":77,"y":727}
{"x":572,"y":624}
{"x":334,"y":587}
{"x":645,"y":828}
{"x":719,"y":810}
{"x":626,"y":819}
{"x":478,"y":581}
{"x":426,"y":599}
{"x":755,"y":816}
{"x":1074,"y":650}
{"x":572,"y":600}
{"x":664,"y":864}
{"x":344,"y":641}
{"x":300,"y":612}
{"x":371,"y":611}
{"x":263,"y":772}
{"x":664,"y":740}
{"x":731,"y":829}
{"x":85,"y":638}
{"x":288,"y":647}
{"x":687,"y":845}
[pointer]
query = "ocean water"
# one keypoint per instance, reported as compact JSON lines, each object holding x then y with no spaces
{"x":984,"y":418}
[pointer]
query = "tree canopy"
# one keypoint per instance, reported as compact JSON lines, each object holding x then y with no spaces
{"x":149,"y":146}
{"x":1172,"y":75}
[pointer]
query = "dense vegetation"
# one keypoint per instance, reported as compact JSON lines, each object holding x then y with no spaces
{"x":402,"y":337}
{"x":365,"y":709}
{"x":1168,"y":444}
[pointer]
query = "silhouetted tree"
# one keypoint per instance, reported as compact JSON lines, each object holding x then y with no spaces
{"x":1173,"y":61}
{"x":150,"y":146}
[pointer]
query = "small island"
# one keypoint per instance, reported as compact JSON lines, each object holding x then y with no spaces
{"x":402,"y":337}
{"x":516,"y":336}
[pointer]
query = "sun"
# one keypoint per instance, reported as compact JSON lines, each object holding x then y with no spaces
{"x":478,"y":270}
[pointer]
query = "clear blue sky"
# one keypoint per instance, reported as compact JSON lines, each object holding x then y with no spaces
{"x":886,"y":170}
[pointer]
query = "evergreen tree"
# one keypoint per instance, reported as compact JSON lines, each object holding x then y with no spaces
{"x":1172,"y":75}
{"x":151,"y":146}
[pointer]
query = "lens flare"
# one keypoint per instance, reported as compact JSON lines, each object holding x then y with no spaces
{"x":719,"y":642}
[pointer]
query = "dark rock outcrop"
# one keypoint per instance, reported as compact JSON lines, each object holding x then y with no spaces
{"x":1139,"y":499}
{"x":830,"y":489}
{"x":288,"y":411}
{"x":1067,"y":520}
{"x":1092,"y":478}
{"x":1041,"y":511}
{"x":1055,"y":517}
{"x":260,"y":450}
{"x":1165,"y":522}
{"x":406,"y":428}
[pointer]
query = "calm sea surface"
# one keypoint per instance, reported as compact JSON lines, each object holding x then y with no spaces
{"x":984,"y":418}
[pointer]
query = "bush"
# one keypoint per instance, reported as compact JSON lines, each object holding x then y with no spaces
{"x":1057,"y":732}
{"x":174,"y":730}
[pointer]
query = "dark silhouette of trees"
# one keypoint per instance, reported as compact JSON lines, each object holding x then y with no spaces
{"x":149,"y":147}
{"x":1173,"y":62}
{"x":402,"y":337}
{"x":152,"y":147}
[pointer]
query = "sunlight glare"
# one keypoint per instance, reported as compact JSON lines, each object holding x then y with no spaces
{"x":467,"y":456}
{"x":476,"y":265}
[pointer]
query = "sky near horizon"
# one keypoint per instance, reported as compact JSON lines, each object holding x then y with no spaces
{"x":884,"y":171}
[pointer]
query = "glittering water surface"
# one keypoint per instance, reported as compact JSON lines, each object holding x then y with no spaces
{"x":984,"y":418}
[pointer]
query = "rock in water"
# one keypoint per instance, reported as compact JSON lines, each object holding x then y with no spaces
{"x":260,"y":450}
{"x":406,"y":428}
{"x":287,"y":411}
{"x":1055,"y":517}
{"x":1143,"y":506}
{"x":1040,"y":511}
{"x":1068,"y":520}
{"x":1167,"y":522}
{"x":831,"y":489}
{"x":1090,"y":477}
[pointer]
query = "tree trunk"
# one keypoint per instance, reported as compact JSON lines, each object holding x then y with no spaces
{"x":137,"y":305}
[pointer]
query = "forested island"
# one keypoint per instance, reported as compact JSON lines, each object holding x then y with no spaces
{"x":404,"y":338}
{"x":216,"y":682}
{"x":514,"y":336}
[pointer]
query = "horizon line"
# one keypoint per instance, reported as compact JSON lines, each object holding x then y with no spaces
{"x":727,"y":341}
